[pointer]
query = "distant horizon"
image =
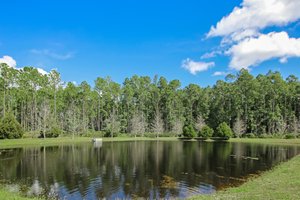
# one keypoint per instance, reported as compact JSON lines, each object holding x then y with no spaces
{"x":194,"y":42}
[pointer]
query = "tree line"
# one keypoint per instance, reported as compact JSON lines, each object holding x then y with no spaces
{"x":261,"y":105}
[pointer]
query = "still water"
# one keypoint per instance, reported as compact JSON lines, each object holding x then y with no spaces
{"x":147,"y":169}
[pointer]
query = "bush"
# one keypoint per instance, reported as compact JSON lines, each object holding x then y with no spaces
{"x":31,"y":134}
{"x":249,"y":135}
{"x":206,"y":132}
{"x":189,"y":131}
{"x":168,"y":134}
{"x":108,"y":133}
{"x":53,"y":132}
{"x":150,"y":135}
{"x":10,"y":128}
{"x":92,"y":133}
{"x":264,"y":135}
{"x":289,"y":136}
{"x":223,"y":130}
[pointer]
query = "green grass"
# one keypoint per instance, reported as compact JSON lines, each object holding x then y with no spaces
{"x":267,"y":141}
{"x":15,"y":143}
{"x":4,"y":194}
{"x":282,"y":182}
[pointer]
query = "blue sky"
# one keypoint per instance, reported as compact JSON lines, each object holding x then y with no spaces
{"x":87,"y":39}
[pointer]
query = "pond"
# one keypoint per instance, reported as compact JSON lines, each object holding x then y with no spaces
{"x":148,"y":169}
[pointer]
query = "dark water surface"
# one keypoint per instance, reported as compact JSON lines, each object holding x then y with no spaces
{"x":148,"y":169}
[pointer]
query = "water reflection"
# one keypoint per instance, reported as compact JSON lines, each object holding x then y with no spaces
{"x":153,"y":169}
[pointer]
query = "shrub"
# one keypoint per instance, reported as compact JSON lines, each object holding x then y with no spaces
{"x":150,"y":135}
{"x":264,"y":135}
{"x":289,"y":136}
{"x":31,"y":134}
{"x":10,"y":128}
{"x":249,"y":135}
{"x":92,"y":133}
{"x":108,"y":133}
{"x":168,"y":134}
{"x":206,"y":132}
{"x":53,"y":132}
{"x":189,"y":131}
{"x":223,"y":130}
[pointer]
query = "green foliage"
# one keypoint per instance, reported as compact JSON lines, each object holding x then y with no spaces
{"x":150,"y":135}
{"x":31,"y":134}
{"x":265,"y":104}
{"x":10,"y":128}
{"x":249,"y":135}
{"x":53,"y":132}
{"x":290,"y":136}
{"x":189,"y":131}
{"x":223,"y":130}
{"x":206,"y":132}
{"x":264,"y":135}
{"x":109,"y":133}
{"x":93,"y":134}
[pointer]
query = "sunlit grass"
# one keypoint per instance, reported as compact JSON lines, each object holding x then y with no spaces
{"x":6,"y":195}
{"x":14,"y":143}
{"x":282,"y":182}
{"x":267,"y":141}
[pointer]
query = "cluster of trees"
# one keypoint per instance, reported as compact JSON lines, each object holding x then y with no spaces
{"x":205,"y":132}
{"x":266,"y":104}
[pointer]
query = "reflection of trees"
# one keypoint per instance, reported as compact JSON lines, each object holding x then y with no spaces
{"x":137,"y":169}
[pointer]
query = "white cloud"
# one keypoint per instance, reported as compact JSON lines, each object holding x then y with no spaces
{"x":253,"y":51}
{"x":242,"y":36}
{"x":42,"y":71}
{"x":218,"y":73}
{"x":195,"y":67}
{"x":255,"y":15}
{"x":12,"y":63}
{"x":9,"y":61}
{"x":211,"y":54}
{"x":51,"y":54}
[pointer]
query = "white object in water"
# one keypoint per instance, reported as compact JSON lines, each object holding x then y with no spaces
{"x":97,"y":140}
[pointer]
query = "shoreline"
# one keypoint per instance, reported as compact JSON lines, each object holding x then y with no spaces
{"x":27,"y":142}
{"x":280,"y":182}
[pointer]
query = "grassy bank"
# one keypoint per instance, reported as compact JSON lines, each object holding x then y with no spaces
{"x":282,"y":182}
{"x":267,"y":141}
{"x":14,"y":143}
{"x":4,"y":194}
{"x":69,"y":140}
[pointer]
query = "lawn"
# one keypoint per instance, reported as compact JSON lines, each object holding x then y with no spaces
{"x":15,"y":143}
{"x":6,"y":195}
{"x":282,"y":182}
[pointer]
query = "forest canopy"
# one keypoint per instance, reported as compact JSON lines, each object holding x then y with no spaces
{"x":265,"y":104}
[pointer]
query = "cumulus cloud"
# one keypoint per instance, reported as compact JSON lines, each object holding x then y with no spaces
{"x":9,"y":61}
{"x":253,"y":51}
{"x":255,"y":15}
{"x":218,"y":73}
{"x":195,"y":67}
{"x":52,"y":54}
{"x":242,"y":37}
{"x":12,"y":63}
